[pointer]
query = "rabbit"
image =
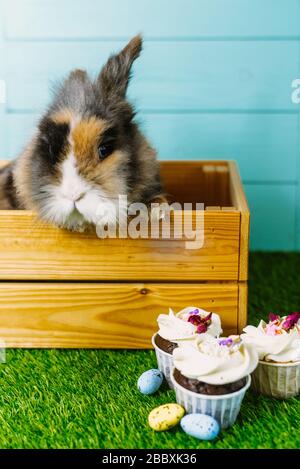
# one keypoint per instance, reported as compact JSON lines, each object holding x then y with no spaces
{"x":87,"y":149}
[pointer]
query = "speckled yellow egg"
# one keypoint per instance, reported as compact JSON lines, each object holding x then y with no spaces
{"x":165,"y":417}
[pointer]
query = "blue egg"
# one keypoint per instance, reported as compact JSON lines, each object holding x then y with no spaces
{"x":200,"y":426}
{"x":150,"y":381}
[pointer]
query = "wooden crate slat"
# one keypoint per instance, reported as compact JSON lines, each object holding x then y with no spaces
{"x":107,"y":315}
{"x":240,"y":202}
{"x":222,"y":184}
{"x":32,"y":250}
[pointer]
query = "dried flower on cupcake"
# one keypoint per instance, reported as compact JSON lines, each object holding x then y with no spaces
{"x":202,"y":323}
{"x":278,"y":340}
{"x":188,"y":323}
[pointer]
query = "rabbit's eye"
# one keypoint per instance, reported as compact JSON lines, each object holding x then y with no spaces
{"x":105,"y":150}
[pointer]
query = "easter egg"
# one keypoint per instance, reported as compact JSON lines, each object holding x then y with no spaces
{"x":150,"y":381}
{"x":165,"y":417}
{"x":200,"y":426}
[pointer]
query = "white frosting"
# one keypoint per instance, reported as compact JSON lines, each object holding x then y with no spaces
{"x":175,"y":327}
{"x":206,"y":360}
{"x":283,"y":348}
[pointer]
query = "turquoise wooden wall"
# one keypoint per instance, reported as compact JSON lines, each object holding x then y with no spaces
{"x":214,"y":81}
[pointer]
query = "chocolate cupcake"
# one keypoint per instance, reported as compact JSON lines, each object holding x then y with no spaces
{"x":200,"y":387}
{"x":278,"y":345}
{"x":211,"y":376}
{"x":184,"y":326}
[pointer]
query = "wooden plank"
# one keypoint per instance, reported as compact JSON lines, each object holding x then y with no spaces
{"x":240,"y":202}
{"x":257,"y":141}
{"x":169,"y":76}
{"x":185,"y":180}
{"x":242,"y":306}
{"x":102,"y":315}
{"x":222,"y":183}
{"x":215,"y":173}
{"x":209,"y":185}
{"x":32,"y":250}
{"x":193,"y":18}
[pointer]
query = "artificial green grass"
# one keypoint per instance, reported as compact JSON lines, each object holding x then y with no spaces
{"x":89,"y":399}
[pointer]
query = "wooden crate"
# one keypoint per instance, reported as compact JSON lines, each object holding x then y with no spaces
{"x":61,"y":289}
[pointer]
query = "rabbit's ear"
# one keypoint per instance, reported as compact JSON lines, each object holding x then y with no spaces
{"x":115,"y":75}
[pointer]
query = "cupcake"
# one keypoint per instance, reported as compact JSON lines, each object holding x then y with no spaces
{"x":211,"y":376}
{"x":181,"y":327}
{"x":278,"y":345}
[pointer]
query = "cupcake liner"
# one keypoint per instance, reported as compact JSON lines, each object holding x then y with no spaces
{"x":164,"y":361}
{"x":278,"y":380}
{"x":224,"y":408}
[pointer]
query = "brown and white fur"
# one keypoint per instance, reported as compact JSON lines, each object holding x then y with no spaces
{"x":87,"y":149}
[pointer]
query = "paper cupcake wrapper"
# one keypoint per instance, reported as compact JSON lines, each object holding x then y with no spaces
{"x":277,"y":380}
{"x":164,"y":361}
{"x":224,"y":408}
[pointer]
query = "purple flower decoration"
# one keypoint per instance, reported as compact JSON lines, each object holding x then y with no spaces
{"x":195,"y":311}
{"x":225,"y":342}
{"x":290,"y":321}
